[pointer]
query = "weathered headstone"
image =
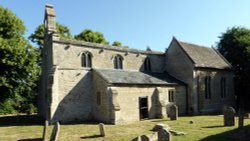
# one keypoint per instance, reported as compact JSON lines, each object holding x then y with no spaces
{"x":164,"y":135}
{"x":46,"y":124}
{"x":173,"y":112}
{"x":55,"y":132}
{"x":159,"y":126}
{"x":145,"y":138}
{"x":102,"y":129}
{"x":229,"y":115}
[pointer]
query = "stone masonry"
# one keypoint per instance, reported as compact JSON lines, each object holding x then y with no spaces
{"x":72,"y":91}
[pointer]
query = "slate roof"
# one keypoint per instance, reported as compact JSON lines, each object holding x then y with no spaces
{"x":128,"y":77}
{"x":204,"y":56}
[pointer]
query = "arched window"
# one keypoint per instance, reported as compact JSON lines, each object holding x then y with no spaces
{"x":86,"y":59}
{"x":147,"y":64}
{"x":118,"y":62}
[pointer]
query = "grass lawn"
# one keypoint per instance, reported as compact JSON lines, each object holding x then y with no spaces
{"x":204,"y":128}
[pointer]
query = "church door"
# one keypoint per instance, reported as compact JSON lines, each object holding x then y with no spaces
{"x":143,"y":107}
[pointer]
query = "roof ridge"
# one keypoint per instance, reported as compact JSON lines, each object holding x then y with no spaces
{"x":108,"y":47}
{"x":195,"y":44}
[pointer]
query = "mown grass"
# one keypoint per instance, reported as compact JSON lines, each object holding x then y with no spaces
{"x":204,"y":128}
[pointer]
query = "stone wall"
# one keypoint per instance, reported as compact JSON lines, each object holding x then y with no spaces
{"x":180,"y":97}
{"x":101,"y":100}
{"x":67,"y":54}
{"x":216,"y":103}
{"x":180,"y":66}
{"x":74,"y":99}
{"x":128,"y":99}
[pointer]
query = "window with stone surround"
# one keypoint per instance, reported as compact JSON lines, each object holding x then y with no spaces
{"x":118,"y":62}
{"x":208,"y":87}
{"x":86,"y":59}
{"x":171,"y":96}
{"x":147,"y":64}
{"x":223,"y":87}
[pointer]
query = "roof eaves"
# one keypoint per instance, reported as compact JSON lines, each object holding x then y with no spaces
{"x":222,"y":57}
{"x":142,"y":84}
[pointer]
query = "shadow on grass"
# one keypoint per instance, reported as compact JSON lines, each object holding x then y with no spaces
{"x":20,"y":120}
{"x":35,"y":139}
{"x":232,"y":135}
{"x":159,"y":120}
{"x":89,"y":137}
{"x":218,"y":126}
{"x":89,"y":122}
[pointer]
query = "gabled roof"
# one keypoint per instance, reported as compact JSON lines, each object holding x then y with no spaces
{"x":128,"y":77}
{"x":204,"y":56}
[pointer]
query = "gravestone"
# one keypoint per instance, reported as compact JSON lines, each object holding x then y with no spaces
{"x":46,"y":124}
{"x":102,"y":129}
{"x":173,"y":112}
{"x":159,"y":126}
{"x":164,"y":135}
{"x":145,"y":138}
{"x":55,"y":132}
{"x":229,"y":114}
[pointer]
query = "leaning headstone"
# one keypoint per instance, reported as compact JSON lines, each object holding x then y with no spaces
{"x":164,"y":135}
{"x":229,"y":114}
{"x":173,"y":112}
{"x":46,"y":124}
{"x":159,"y":126}
{"x":55,"y":132}
{"x":102,"y":129}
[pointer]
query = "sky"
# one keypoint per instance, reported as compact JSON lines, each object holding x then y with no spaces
{"x":140,"y":23}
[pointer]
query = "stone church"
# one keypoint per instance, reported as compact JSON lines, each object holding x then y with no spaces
{"x":87,"y":81}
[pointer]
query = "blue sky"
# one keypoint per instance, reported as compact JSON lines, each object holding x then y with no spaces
{"x":140,"y":23}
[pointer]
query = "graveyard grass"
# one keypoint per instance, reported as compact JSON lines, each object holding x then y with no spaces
{"x":204,"y":128}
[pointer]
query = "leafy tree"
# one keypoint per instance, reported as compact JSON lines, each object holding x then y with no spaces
{"x":234,"y":45}
{"x":90,"y":36}
{"x":18,"y":62}
{"x":117,"y":43}
{"x":38,"y":36}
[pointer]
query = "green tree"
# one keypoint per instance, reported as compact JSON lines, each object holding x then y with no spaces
{"x":234,"y":45}
{"x":90,"y":36}
{"x":18,"y":62}
{"x":38,"y":36}
{"x":117,"y":43}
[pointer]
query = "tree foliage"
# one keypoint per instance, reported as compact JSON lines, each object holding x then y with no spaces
{"x":89,"y":35}
{"x":38,"y":36}
{"x":117,"y":43}
{"x":234,"y":45}
{"x":18,"y":62}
